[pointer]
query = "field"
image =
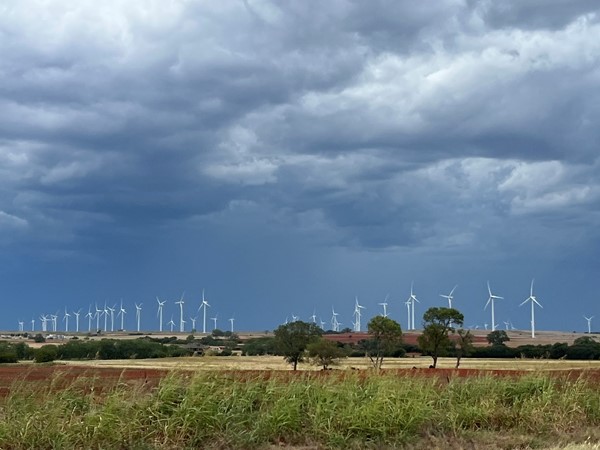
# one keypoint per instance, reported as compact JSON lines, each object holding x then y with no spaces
{"x":219,"y":402}
{"x":257,"y":402}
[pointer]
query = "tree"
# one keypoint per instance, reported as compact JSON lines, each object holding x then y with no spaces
{"x":385,"y":336}
{"x":437,"y":325}
{"x":325,"y":353}
{"x":463,"y":344}
{"x":498,"y":337}
{"x":292,"y":339}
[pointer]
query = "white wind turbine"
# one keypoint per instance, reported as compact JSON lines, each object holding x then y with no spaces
{"x":112,"y":317}
{"x":66,"y":319}
{"x":160,"y":313}
{"x":32,"y":324}
{"x":313,"y":318}
{"x":385,"y":304}
{"x":122,"y":313}
{"x":322,"y":323}
{"x":204,"y":305}
{"x":105,"y":312}
{"x":76,"y":314}
{"x":412,"y":299}
{"x":534,"y":302}
{"x":181,"y":321}
{"x":171,"y":323}
{"x":44,"y":321}
{"x":357,"y":314}
{"x":214,"y":319}
{"x":193,"y":320}
{"x":231,"y":320}
{"x":449,"y":297}
{"x":407,"y":303}
{"x":98,"y":314}
{"x":53,"y":318}
{"x":334,"y":322}
{"x":589,"y":321}
{"x":21,"y":325}
{"x":90,"y":316}
{"x":491,"y":299}
{"x":138,"y":315}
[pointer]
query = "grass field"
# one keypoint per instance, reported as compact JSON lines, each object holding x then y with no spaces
{"x":304,"y":410}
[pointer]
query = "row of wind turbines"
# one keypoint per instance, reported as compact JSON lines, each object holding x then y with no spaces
{"x":410,"y":304}
{"x":49,"y":322}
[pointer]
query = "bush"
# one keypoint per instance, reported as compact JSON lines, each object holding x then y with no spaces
{"x":47,"y":353}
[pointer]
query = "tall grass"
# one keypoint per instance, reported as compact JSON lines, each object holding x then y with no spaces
{"x":339,"y":410}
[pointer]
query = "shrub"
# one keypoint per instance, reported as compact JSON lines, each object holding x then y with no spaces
{"x":47,"y":353}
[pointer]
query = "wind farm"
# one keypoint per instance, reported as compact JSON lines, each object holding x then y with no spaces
{"x":110,"y":319}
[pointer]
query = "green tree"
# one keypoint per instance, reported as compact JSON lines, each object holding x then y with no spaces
{"x":385,"y":337}
{"x":437,"y":325}
{"x":325,"y":353}
{"x":463,"y":344}
{"x":498,"y":337}
{"x":292,"y":339}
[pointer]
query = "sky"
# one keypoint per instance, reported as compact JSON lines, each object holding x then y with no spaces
{"x":288,"y":157}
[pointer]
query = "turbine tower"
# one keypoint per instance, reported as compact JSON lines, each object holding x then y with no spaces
{"x":214,"y":319}
{"x":171,"y":323}
{"x":98,"y":315}
{"x":122,"y":313}
{"x":450,"y":297}
{"x":76,"y":314}
{"x":181,"y":321}
{"x":203,"y":305}
{"x":407,"y":303}
{"x":589,"y":321}
{"x":491,"y":299}
{"x":138,"y":314}
{"x":66,"y":319}
{"x":412,"y":299}
{"x":193,"y":320}
{"x":334,"y":322}
{"x":160,"y":314}
{"x":231,"y":320}
{"x":534,"y":302}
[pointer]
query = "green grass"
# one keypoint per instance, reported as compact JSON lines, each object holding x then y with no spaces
{"x":336,"y":410}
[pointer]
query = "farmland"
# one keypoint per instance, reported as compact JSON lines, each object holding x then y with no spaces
{"x":257,"y":402}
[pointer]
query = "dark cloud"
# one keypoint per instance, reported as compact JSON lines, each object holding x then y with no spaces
{"x":341,"y":135}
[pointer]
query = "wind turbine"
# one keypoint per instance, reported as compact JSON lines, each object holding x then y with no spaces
{"x":412,"y":299}
{"x":112,"y":317}
{"x":506,"y":324}
{"x":384,"y":304}
{"x":98,"y":314}
{"x":203,"y":305}
{"x":66,"y":319}
{"x":334,"y":322}
{"x":138,"y":314}
{"x":160,"y":314}
{"x":449,"y":296}
{"x":589,"y":321}
{"x":214,"y":319}
{"x":122,"y":313}
{"x":407,"y":303}
{"x":322,"y":323}
{"x":89,"y":315}
{"x":231,"y":320}
{"x":357,"y":308}
{"x":105,"y":312}
{"x":53,"y":318}
{"x":313,"y":317}
{"x":76,"y":314}
{"x":32,"y":324}
{"x":171,"y":323}
{"x":21,"y":325}
{"x":44,"y":320}
{"x":193,"y":320}
{"x":181,"y":321}
{"x":491,"y":299}
{"x":534,"y":302}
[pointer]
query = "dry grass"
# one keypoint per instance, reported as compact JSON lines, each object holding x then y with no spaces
{"x":277,"y":363}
